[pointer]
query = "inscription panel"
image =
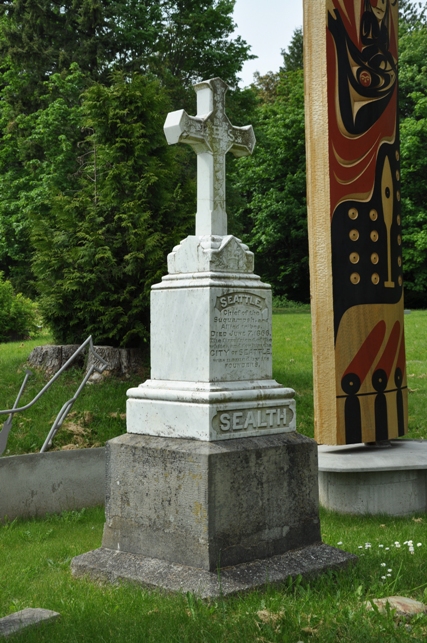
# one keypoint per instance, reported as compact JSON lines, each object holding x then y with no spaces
{"x":240,"y":336}
{"x":256,"y":420}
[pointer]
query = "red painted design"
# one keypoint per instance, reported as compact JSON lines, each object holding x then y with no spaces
{"x":353,"y":157}
{"x":389,"y":355}
{"x":367,"y":353}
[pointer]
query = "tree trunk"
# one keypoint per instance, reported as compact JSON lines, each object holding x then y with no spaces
{"x":121,"y":361}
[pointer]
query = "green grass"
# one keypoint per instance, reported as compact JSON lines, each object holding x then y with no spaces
{"x":35,"y":555}
{"x":98,"y":414}
{"x":416,"y":355}
{"x":35,"y":572}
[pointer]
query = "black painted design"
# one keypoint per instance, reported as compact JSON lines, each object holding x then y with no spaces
{"x":350,"y":384}
{"x":379,"y":382}
{"x":360,"y":249}
{"x":368,"y":73}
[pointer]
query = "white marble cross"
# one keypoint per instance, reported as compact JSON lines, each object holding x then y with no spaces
{"x":211,"y":135}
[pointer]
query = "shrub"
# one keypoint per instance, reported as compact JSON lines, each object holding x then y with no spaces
{"x":18,"y":315}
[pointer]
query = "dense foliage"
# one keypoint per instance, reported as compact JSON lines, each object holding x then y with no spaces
{"x":413,"y":133}
{"x":18,"y":314}
{"x":92,"y":197}
{"x":273,"y":213}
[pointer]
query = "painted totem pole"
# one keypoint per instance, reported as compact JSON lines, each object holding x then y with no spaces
{"x":350,"y":49}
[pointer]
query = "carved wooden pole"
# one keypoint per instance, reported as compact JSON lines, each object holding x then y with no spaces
{"x":353,"y":186}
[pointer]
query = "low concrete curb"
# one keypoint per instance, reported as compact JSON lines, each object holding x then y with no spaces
{"x":40,"y":483}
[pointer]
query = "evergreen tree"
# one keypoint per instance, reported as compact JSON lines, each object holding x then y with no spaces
{"x":51,"y":54}
{"x":102,"y":241}
{"x":273,"y":214}
{"x":293,"y":57}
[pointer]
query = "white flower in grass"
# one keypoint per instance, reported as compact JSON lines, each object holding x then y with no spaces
{"x":389,"y":570}
{"x":360,"y":547}
{"x":387,"y":549}
{"x":383,"y":565}
{"x":383,"y":577}
{"x":380,"y":545}
{"x":340,"y":542}
{"x":397,"y":545}
{"x":368,"y":545}
{"x":388,"y":575}
{"x":419,"y":544}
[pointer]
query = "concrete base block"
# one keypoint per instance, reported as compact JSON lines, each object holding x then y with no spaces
{"x":25,"y":618}
{"x":361,"y":479}
{"x":211,"y":504}
{"x":114,"y":566}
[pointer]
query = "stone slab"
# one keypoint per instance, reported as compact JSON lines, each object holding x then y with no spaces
{"x":211,"y":333}
{"x":362,"y":479}
{"x":209,"y":503}
{"x":404,"y":606}
{"x":401,"y":455}
{"x":211,"y":356}
{"x":114,"y":566}
{"x":40,"y":483}
{"x":25,"y":618}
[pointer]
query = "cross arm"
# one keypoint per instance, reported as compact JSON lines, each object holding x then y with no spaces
{"x":179,"y":127}
{"x":244,"y":141}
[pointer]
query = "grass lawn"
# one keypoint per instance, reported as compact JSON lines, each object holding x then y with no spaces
{"x":35,"y":572}
{"x":98,"y":414}
{"x":35,"y":555}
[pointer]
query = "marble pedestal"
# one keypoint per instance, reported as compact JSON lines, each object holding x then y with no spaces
{"x":211,"y":365}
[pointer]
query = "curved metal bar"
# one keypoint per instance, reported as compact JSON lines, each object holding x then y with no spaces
{"x":65,"y":410}
{"x":97,"y":368}
{"x":4,"y":433}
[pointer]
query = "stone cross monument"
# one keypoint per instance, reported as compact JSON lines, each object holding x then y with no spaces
{"x":211,"y":369}
{"x":211,"y":135}
{"x":211,"y":473}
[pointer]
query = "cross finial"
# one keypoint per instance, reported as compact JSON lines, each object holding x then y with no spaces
{"x":211,"y":135}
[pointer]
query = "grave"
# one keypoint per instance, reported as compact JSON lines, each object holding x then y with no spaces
{"x":211,"y":490}
{"x":26,"y":618}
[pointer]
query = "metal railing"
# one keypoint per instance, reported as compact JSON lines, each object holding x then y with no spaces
{"x":99,"y":365}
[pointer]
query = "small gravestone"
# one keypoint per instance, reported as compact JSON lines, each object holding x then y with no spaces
{"x":28,"y":617}
{"x":211,"y":473}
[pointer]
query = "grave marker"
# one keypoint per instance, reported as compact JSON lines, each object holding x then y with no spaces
{"x":211,"y":473}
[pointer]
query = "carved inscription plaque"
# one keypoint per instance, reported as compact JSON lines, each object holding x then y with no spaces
{"x":240,"y":335}
{"x":252,"y":419}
